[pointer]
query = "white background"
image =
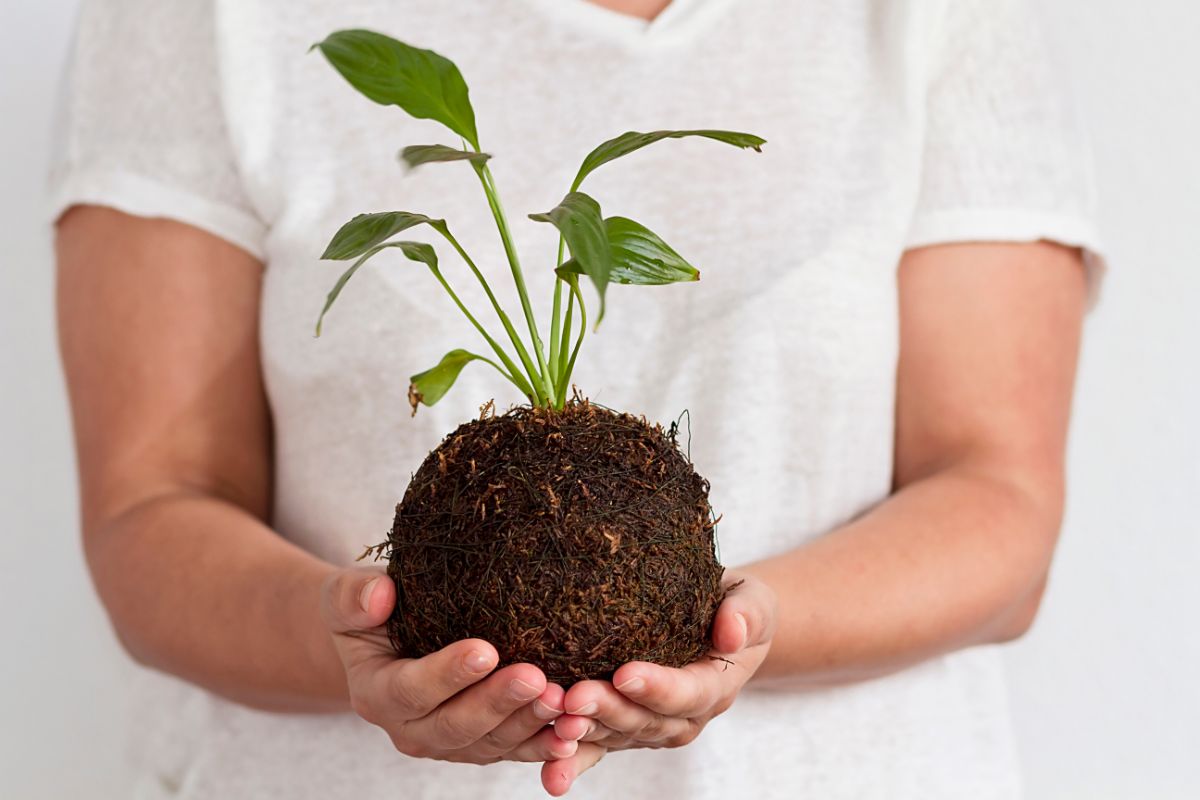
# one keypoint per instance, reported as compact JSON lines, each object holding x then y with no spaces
{"x":1106,"y":690}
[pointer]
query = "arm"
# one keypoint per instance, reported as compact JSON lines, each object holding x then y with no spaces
{"x":959,"y":554}
{"x":956,"y":556}
{"x":158,"y":326}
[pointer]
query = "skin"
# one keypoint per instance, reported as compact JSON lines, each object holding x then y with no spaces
{"x":646,"y":9}
{"x":158,"y":330}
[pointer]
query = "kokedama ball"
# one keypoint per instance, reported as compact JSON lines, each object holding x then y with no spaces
{"x":575,"y":540}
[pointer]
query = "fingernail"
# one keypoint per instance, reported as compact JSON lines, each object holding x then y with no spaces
{"x":543,"y":711}
{"x":520,"y":690}
{"x":632,"y":686}
{"x":586,"y":711}
{"x":364,"y":599}
{"x":477,"y":661}
{"x":745,"y":629}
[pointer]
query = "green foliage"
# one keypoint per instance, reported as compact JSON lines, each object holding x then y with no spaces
{"x":639,"y":257}
{"x":416,"y":251}
{"x":630,"y":141}
{"x":431,"y":385}
{"x":392,"y":73}
{"x":578,"y":219}
{"x":417,"y":154}
{"x":607,"y":250}
{"x":366,"y":231}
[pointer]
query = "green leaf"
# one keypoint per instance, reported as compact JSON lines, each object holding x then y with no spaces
{"x":429,"y":386}
{"x":640,"y":257}
{"x":417,"y":154}
{"x":630,"y":141}
{"x":578,"y":219}
{"x":423,"y":83}
{"x":369,"y":230}
{"x":416,"y":251}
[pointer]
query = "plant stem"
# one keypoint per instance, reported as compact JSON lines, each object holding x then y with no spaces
{"x":504,"y":320}
{"x":555,"y":320}
{"x":560,"y":356}
{"x":489,"y":188}
{"x":513,"y":374}
{"x":566,"y":376}
{"x":501,"y":371}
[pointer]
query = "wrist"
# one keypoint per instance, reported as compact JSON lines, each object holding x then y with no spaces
{"x":321,"y":660}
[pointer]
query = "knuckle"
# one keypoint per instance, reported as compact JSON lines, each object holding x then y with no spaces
{"x":451,"y":732}
{"x":405,"y":694}
{"x":362,"y":707}
{"x":499,"y":706}
{"x":491,"y":744}
{"x":685,"y":736}
{"x":410,"y":747}
{"x":652,"y":728}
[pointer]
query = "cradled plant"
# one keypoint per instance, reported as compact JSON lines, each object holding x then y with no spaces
{"x":605,"y":249}
{"x":560,"y":498}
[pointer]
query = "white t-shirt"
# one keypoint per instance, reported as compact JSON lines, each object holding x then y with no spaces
{"x":890,"y":124}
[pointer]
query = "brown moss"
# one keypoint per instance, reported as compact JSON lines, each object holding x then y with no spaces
{"x":575,"y":540}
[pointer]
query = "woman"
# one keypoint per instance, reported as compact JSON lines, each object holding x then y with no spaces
{"x":878,"y":365}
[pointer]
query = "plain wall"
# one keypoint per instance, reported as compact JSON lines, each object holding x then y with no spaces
{"x":1105,"y":690}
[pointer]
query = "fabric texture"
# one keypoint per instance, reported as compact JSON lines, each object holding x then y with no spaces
{"x":890,"y":124}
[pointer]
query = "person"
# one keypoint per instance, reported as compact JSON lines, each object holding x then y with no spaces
{"x":878,"y":365}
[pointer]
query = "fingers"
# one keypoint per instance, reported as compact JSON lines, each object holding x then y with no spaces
{"x":464,"y":719}
{"x":746,"y":618}
{"x":413,"y":688}
{"x":598,"y":701}
{"x":524,"y":723}
{"x":743,"y":628}
{"x":356,"y":600}
{"x":557,"y":776}
{"x":689,"y":692}
{"x":585,"y":729}
{"x":542,"y":746}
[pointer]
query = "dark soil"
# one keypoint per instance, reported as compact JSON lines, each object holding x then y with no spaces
{"x":575,"y":540}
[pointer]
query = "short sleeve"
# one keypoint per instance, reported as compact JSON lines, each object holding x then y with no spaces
{"x":141,"y":127}
{"x":1004,"y":157}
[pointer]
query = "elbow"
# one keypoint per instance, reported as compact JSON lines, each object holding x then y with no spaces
{"x":133,"y":647}
{"x":115,"y":590}
{"x":1019,"y":618}
{"x":1039,"y":496}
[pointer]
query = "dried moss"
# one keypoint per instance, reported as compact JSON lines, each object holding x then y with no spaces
{"x":575,"y":540}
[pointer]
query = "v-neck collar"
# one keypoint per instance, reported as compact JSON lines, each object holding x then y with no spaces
{"x":674,"y":24}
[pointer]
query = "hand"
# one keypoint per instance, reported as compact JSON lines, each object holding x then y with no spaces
{"x":449,"y":705}
{"x":647,"y":705}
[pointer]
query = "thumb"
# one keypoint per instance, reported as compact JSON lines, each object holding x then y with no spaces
{"x":356,"y":599}
{"x":746,"y":618}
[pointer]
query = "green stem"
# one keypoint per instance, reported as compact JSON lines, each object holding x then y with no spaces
{"x":566,"y":376}
{"x":489,"y":188}
{"x":500,"y":370}
{"x":564,"y":351}
{"x":513,"y":373}
{"x":530,"y":368}
{"x":555,"y":320}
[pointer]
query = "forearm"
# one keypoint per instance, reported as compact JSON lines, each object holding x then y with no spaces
{"x":954,"y":559}
{"x":199,"y":588}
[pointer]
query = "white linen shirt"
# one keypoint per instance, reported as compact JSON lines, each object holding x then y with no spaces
{"x":890,"y":124}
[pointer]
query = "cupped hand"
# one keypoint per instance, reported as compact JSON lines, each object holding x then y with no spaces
{"x":647,"y":705}
{"x":452,"y":705}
